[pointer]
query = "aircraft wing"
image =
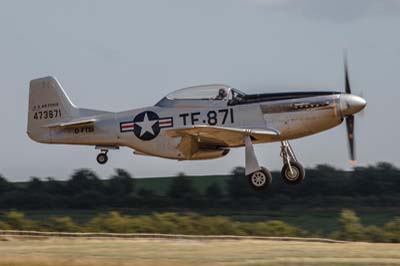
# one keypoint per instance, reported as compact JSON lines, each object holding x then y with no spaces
{"x":222,"y":136}
{"x":72,"y":123}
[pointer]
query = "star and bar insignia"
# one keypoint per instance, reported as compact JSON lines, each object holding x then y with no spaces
{"x":146,"y":125}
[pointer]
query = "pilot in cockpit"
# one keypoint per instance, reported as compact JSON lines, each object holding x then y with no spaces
{"x":221,"y":94}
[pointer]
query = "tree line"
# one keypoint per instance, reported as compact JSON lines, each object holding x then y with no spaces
{"x":325,"y":186}
{"x":350,"y":227}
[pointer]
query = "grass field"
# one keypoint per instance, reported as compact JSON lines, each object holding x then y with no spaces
{"x":309,"y":219}
{"x":71,"y":252}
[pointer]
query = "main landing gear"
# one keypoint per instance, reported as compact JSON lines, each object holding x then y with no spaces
{"x":292,"y":171}
{"x":260,"y":178}
{"x":102,"y":157}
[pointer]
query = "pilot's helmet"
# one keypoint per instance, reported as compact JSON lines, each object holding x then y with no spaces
{"x":222,"y":93}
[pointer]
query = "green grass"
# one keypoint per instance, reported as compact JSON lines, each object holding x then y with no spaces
{"x":313,"y":220}
{"x":144,"y":252}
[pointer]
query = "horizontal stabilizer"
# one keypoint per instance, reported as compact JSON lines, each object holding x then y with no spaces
{"x":73,"y":123}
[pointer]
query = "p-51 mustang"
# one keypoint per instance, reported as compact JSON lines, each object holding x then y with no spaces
{"x":195,"y":123}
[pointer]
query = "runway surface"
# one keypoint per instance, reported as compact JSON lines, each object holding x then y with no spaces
{"x":176,"y":252}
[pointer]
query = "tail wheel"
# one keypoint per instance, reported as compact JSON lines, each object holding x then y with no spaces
{"x":295,"y":176}
{"x":260,"y":179}
{"x":102,"y":158}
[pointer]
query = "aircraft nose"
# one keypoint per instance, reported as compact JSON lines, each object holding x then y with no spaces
{"x":351,"y":104}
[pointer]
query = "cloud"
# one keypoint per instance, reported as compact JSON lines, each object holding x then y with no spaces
{"x":337,"y":10}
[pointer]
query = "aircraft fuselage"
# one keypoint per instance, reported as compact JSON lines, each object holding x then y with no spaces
{"x":293,"y":115}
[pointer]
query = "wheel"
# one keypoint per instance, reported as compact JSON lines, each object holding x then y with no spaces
{"x":296,"y":176}
{"x":260,"y":179}
{"x":102,"y":158}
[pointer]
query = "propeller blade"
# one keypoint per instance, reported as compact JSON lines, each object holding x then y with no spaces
{"x":346,"y":76}
{"x":350,"y":137}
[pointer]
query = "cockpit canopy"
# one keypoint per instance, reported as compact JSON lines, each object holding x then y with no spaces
{"x":198,"y":96}
{"x":204,"y":92}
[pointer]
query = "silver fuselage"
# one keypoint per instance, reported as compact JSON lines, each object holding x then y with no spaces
{"x":292,"y":117}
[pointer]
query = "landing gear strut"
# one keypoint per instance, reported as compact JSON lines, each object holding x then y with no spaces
{"x":259,"y":177}
{"x":292,"y":171}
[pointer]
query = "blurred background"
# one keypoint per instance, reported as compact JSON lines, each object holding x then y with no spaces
{"x":129,"y":54}
{"x":119,"y":55}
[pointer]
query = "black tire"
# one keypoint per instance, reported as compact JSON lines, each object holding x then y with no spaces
{"x":102,"y":158}
{"x":260,"y":180}
{"x":298,"y":173}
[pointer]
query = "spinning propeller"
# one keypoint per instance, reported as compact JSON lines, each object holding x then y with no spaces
{"x":353,"y":104}
{"x":349,"y":118}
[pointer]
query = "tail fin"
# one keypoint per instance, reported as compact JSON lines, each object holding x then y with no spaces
{"x":48,"y":103}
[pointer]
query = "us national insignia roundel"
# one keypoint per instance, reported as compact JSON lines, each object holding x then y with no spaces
{"x":146,"y":125}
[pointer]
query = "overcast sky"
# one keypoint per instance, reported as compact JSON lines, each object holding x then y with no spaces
{"x":118,"y":55}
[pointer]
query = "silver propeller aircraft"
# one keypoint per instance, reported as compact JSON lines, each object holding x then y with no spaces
{"x":195,"y":123}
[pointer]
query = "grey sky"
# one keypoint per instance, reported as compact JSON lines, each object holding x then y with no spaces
{"x":117,"y":55}
{"x":338,"y":10}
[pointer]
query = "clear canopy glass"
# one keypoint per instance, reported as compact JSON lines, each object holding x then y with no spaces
{"x":201,"y":96}
{"x":205,"y":92}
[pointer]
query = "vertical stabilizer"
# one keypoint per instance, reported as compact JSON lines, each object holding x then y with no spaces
{"x":48,"y":103}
